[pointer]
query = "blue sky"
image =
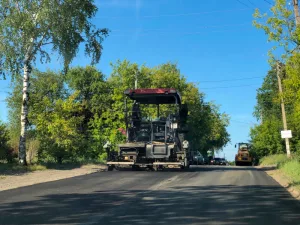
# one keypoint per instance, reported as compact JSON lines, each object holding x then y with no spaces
{"x":212,"y":41}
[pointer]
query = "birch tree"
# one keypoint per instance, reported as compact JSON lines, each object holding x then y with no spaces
{"x":33,"y":30}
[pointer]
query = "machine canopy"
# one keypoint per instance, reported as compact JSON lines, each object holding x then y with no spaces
{"x":154,"y":95}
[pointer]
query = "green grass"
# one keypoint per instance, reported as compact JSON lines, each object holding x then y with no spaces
{"x":15,"y":168}
{"x":291,"y":170}
{"x":273,"y":160}
{"x":289,"y":167}
{"x":6,"y":168}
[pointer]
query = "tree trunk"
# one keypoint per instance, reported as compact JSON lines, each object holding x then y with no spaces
{"x":24,"y":115}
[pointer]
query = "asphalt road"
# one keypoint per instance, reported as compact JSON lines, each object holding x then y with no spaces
{"x":204,"y":195}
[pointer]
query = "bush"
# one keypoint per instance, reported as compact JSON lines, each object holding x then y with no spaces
{"x":6,"y":153}
{"x":32,"y":150}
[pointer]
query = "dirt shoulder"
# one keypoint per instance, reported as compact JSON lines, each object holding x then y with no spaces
{"x":279,"y":176}
{"x":16,"y":180}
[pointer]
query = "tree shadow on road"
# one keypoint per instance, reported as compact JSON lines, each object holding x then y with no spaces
{"x":225,"y":204}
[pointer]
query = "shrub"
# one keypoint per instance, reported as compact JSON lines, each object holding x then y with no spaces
{"x":6,"y":153}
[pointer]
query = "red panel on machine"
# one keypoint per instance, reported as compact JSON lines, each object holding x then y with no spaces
{"x":154,"y":95}
{"x":151,"y":91}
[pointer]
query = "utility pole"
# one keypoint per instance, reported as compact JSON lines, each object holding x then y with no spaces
{"x":296,"y":11}
{"x":287,"y":142}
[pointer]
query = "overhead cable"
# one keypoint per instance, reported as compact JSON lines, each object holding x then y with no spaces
{"x":172,"y":15}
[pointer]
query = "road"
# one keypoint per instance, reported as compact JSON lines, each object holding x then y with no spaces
{"x":203,"y":195}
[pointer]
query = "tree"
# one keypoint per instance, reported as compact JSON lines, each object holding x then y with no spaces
{"x":207,"y":126}
{"x":265,"y":138}
{"x":280,"y":27}
{"x":30,"y":30}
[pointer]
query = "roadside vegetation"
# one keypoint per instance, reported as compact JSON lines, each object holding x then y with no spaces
{"x":71,"y":116}
{"x":290,"y":168}
{"x":283,"y":31}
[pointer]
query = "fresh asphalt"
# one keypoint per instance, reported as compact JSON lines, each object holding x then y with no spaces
{"x":203,"y":195}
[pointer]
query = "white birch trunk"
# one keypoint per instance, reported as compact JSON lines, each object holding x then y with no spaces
{"x":24,"y":109}
{"x":24,"y":115}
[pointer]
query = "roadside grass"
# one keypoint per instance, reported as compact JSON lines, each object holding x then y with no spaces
{"x":15,"y":168}
{"x":8,"y":168}
{"x":289,"y":167}
{"x":273,"y":160}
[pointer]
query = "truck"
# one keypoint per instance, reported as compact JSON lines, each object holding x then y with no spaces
{"x":154,"y":142}
{"x":243,"y":157}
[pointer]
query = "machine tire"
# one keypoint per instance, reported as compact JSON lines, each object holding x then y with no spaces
{"x":158,"y":168}
{"x":135,"y":168}
{"x":185,"y":167}
{"x":110,"y":168}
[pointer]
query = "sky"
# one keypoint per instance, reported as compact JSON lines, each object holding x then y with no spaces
{"x":212,"y":41}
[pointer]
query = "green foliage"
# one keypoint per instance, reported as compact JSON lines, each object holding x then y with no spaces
{"x":281,"y":29}
{"x":207,"y":126}
{"x":5,"y":150}
{"x":266,"y":139}
{"x":30,"y":30}
{"x":71,"y":117}
{"x":279,"y":25}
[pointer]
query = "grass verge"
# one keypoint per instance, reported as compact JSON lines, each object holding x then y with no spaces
{"x":273,"y":160}
{"x":290,"y":168}
{"x":15,"y":168}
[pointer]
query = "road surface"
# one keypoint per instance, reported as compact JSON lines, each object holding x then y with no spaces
{"x":203,"y":195}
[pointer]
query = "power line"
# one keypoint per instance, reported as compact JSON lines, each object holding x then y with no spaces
{"x":173,"y":15}
{"x":219,"y":81}
{"x":251,"y":3}
{"x":174,"y":34}
{"x":243,"y":4}
{"x":268,"y":2}
{"x":248,"y":85}
{"x":204,"y":26}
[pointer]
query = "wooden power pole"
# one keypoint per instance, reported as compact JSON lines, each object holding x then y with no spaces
{"x":296,"y":12}
{"x":287,"y":142}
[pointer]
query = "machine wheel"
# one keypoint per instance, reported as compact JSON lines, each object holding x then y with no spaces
{"x":110,"y":168}
{"x":150,"y":168}
{"x":158,"y":168}
{"x":135,"y":168}
{"x":185,"y":167}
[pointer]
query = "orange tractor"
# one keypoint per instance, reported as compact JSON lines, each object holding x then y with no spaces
{"x":243,"y":157}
